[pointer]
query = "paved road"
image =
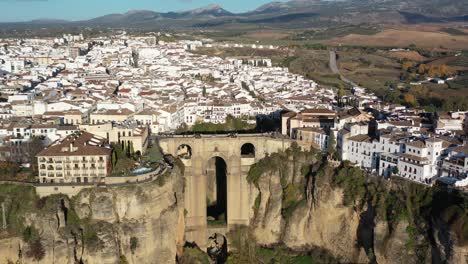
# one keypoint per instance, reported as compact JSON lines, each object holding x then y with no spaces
{"x":335,"y":70}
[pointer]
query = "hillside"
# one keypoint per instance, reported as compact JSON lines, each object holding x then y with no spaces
{"x":294,"y":14}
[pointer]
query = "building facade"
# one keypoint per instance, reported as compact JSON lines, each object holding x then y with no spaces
{"x":79,"y":158}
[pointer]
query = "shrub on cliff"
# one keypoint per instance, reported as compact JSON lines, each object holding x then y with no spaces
{"x":30,"y":234}
{"x":36,"y":250}
{"x":353,"y":182}
{"x":133,"y":244}
{"x":193,"y":255}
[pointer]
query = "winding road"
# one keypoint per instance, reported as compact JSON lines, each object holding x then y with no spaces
{"x":335,"y":70}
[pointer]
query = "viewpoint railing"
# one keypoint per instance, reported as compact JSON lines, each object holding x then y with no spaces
{"x":111,"y":180}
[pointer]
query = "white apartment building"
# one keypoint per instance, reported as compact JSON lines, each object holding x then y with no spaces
{"x":420,"y":160}
{"x":456,"y":164}
{"x":79,"y":158}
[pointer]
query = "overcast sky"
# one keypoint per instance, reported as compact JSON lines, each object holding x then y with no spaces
{"x":25,"y":10}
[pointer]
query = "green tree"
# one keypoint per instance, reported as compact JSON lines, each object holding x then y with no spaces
{"x":124,"y":149}
{"x":131,"y":150}
{"x":114,"y":158}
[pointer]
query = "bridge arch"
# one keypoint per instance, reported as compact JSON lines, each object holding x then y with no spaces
{"x":216,"y":170}
{"x":247,"y":150}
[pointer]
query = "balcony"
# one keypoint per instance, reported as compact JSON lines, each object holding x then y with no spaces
{"x":101,"y":168}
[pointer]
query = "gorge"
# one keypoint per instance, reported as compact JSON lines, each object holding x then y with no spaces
{"x":298,"y":203}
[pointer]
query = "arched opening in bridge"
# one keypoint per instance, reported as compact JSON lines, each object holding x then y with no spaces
{"x":184,"y":151}
{"x":216,"y":195}
{"x":248,"y":150}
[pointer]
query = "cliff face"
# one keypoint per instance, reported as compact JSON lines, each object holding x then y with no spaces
{"x":140,"y":223}
{"x":306,"y":205}
{"x":299,"y":201}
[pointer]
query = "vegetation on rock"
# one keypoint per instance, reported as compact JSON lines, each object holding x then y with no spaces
{"x":423,"y":208}
{"x":193,"y":255}
{"x":245,"y":249}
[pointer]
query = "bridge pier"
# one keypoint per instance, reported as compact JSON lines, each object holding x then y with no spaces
{"x":198,"y":169}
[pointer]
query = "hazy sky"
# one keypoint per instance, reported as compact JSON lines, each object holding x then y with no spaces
{"x":25,"y":10}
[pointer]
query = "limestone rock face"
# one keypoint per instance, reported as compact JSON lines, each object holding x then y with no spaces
{"x":321,"y":220}
{"x":268,"y":223}
{"x":388,"y":246}
{"x":150,"y":214}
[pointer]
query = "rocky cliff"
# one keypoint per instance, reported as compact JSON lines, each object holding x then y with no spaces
{"x":129,"y":224}
{"x":301,"y":204}
{"x":305,"y":203}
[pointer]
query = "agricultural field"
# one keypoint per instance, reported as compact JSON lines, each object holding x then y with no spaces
{"x":409,"y":55}
{"x":405,"y":38}
{"x":369,"y":69}
{"x":333,"y":32}
{"x":460,"y":61}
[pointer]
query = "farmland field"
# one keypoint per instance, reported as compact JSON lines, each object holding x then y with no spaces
{"x":404,"y":38}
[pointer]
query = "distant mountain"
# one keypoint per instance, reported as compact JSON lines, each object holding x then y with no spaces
{"x":129,"y":18}
{"x":48,"y":21}
{"x":292,"y":14}
{"x":214,"y":10}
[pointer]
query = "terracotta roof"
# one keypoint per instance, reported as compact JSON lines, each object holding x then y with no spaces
{"x":83,"y":144}
{"x":417,"y":144}
{"x":360,"y":138}
{"x":318,"y":111}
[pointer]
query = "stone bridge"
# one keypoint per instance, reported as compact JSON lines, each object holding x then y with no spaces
{"x":217,"y":194}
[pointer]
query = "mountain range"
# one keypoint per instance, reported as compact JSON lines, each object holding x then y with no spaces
{"x":292,"y":14}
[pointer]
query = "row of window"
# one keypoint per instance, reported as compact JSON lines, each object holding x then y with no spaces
{"x":83,"y":159}
{"x":50,"y":167}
